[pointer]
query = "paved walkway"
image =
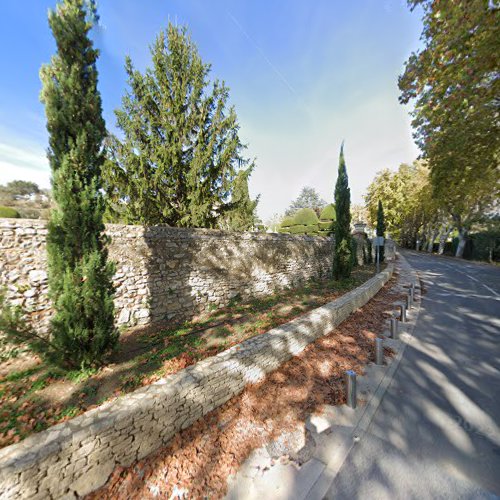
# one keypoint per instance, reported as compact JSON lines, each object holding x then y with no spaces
{"x":333,"y":434}
{"x":434,"y":433}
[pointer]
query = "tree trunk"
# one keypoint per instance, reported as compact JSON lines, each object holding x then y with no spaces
{"x":433,"y":236}
{"x":462,"y":240}
{"x":443,"y":237}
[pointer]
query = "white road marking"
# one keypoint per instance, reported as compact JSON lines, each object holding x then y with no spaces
{"x":453,"y":268}
{"x":481,"y":283}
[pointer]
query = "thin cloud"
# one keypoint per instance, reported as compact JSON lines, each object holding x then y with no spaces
{"x":27,"y":162}
{"x":26,"y":157}
{"x":278,"y":73}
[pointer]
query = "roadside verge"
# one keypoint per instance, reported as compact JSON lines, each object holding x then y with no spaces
{"x":78,"y":456}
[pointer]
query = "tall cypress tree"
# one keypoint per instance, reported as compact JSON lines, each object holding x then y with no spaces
{"x":342,"y":260}
{"x":79,"y":273}
{"x":381,"y":227}
{"x":180,"y":154}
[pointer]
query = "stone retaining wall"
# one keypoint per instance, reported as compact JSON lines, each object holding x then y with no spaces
{"x":77,"y":457}
{"x":167,"y":274}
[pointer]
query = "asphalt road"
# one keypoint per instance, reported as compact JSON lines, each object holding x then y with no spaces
{"x":436,"y":433}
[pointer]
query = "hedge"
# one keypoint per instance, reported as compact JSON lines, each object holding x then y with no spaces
{"x":287,"y":222}
{"x":328,"y":213}
{"x":306,"y":217}
{"x":9,"y":213}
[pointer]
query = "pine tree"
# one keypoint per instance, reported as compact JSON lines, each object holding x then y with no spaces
{"x":181,"y":151}
{"x":80,"y":285}
{"x":342,"y":260}
{"x":381,"y":228}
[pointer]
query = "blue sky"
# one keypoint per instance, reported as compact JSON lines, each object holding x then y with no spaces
{"x":303,"y":76}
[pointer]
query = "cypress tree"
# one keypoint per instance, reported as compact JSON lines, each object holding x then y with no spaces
{"x":342,"y":259}
{"x":180,"y":154}
{"x":242,"y":217}
{"x":381,"y":227}
{"x":80,"y":286}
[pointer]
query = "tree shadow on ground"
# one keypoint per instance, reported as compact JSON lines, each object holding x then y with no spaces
{"x":202,"y":456}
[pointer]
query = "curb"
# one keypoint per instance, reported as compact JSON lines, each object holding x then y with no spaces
{"x":364,"y":420}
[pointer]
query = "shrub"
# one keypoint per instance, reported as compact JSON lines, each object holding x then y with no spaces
{"x":287,"y":222}
{"x":306,"y":217}
{"x":327,"y":220}
{"x":9,"y":213}
{"x":298,"y":229}
{"x":328,"y":213}
{"x":312,"y":229}
{"x":325,"y":225}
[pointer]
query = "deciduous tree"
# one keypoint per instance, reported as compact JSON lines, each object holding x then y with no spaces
{"x":454,"y":85}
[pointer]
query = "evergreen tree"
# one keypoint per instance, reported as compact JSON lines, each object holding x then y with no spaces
{"x":308,"y":198}
{"x":181,"y":151}
{"x":381,"y":228}
{"x":79,"y":273}
{"x":243,"y":216}
{"x":342,"y":260}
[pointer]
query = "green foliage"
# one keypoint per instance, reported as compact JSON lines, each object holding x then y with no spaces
{"x":21,"y":188}
{"x":242,"y":217}
{"x":328,"y":213}
{"x":9,"y":213}
{"x":312,"y":229}
{"x":298,"y":229}
{"x":287,"y":222}
{"x":342,"y":260}
{"x":327,"y":220}
{"x":354,"y":249}
{"x":408,"y":204}
{"x":326,"y":226}
{"x":17,"y":332}
{"x":305,"y":221}
{"x":381,"y":228}
{"x":308,"y":198}
{"x":181,"y":152}
{"x":305,"y":216}
{"x":80,"y":277}
{"x":367,"y":252}
{"x":453,"y":83}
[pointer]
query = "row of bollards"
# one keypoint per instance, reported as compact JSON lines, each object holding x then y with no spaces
{"x":379,"y":346}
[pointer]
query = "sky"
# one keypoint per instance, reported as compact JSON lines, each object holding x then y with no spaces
{"x":303,"y":76}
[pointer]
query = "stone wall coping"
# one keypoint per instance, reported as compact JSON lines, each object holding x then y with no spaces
{"x":131,"y":231}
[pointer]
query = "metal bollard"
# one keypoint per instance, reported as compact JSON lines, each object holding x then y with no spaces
{"x":394,"y":328}
{"x":412,"y":295}
{"x":351,"y":395}
{"x":379,"y":351}
{"x":408,"y":301}
{"x":402,"y":316}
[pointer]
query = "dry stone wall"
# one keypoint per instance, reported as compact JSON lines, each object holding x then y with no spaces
{"x":167,"y":274}
{"x":76,"y":457}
